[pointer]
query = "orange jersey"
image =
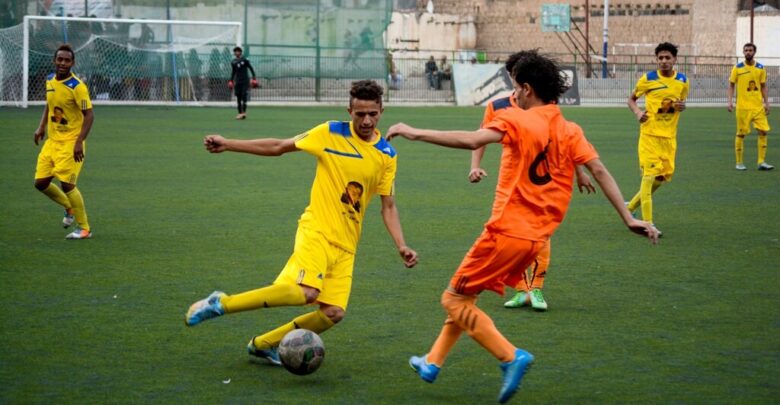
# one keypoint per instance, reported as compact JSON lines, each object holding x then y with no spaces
{"x":536,"y":175}
{"x":496,"y":106}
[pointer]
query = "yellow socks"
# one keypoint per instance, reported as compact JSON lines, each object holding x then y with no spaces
{"x":275,"y":295}
{"x":77,"y":204}
{"x":646,"y":194}
{"x":57,"y":195}
{"x":762,"y":143}
{"x":316,"y":322}
{"x":739,"y":146}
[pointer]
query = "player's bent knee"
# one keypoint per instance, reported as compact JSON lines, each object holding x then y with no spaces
{"x":334,"y":313}
{"x":311,"y":294}
{"x":41,"y":184}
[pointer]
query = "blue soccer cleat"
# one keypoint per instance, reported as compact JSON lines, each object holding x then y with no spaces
{"x":205,"y":309}
{"x":425,"y":370}
{"x":272,"y":354}
{"x":513,"y":373}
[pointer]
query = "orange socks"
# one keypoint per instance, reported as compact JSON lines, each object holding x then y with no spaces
{"x":464,"y":315}
{"x":539,"y":267}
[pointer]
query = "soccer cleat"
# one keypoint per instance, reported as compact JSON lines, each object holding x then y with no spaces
{"x":740,"y":167}
{"x":205,"y":309}
{"x":520,"y":299}
{"x":79,"y":234}
{"x":513,"y":373}
{"x":239,"y":116}
{"x":765,"y":166}
{"x":67,"y":220}
{"x":537,"y":300}
{"x":425,"y":370}
{"x":272,"y":354}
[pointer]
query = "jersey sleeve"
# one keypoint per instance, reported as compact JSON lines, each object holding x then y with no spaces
{"x":505,"y":124}
{"x":733,"y":75}
{"x":81,"y":96}
{"x":312,"y":141}
{"x":641,"y":86}
{"x":387,"y":183}
{"x":488,"y":116}
{"x":582,"y":151}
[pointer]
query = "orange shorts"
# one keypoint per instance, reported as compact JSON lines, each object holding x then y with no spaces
{"x":494,"y":261}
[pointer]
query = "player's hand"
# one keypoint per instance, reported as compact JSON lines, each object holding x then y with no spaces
{"x":214,"y":143}
{"x":476,"y":175}
{"x":766,"y":108}
{"x":38,"y":135}
{"x":730,"y":107}
{"x":230,"y":84}
{"x":78,"y":151}
{"x":401,"y":130}
{"x":679,"y":105}
{"x":408,"y":255}
{"x":584,"y":183}
{"x":642,"y":116}
{"x":645,"y":229}
{"x":254,"y":83}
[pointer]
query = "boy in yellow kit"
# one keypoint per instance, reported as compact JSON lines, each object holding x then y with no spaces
{"x":665,"y":92}
{"x":749,"y":78}
{"x":67,"y":118}
{"x":354,"y":163}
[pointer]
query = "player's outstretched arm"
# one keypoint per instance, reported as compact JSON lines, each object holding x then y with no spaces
{"x":41,"y":131}
{"x":451,"y":139}
{"x":615,"y":197}
{"x":262,"y":147}
{"x":393,"y":224}
{"x":476,"y":174}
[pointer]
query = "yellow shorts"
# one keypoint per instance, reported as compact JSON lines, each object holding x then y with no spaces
{"x":319,"y":264}
{"x":755,"y":116}
{"x":56,"y":160}
{"x":656,"y":156}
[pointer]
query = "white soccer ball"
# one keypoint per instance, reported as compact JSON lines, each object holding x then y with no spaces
{"x":301,"y":351}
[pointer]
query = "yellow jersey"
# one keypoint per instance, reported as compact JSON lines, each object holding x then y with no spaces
{"x":748,"y":80}
{"x":349,"y":172}
{"x":660,"y":94}
{"x":66,"y":100}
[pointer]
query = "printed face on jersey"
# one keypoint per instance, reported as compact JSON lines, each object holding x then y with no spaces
{"x":352,"y":195}
{"x":365,"y":117}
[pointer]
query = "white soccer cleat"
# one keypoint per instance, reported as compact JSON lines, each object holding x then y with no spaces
{"x":67,"y":220}
{"x":765,"y":166}
{"x":79,"y":234}
{"x":741,"y":167}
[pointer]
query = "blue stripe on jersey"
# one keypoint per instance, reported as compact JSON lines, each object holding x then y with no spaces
{"x":760,"y":66}
{"x":741,"y":64}
{"x":652,"y":75}
{"x":385,"y":147}
{"x":339,"y":128}
{"x":681,"y":77}
{"x":501,"y":103}
{"x":72,"y":82}
{"x":50,"y":76}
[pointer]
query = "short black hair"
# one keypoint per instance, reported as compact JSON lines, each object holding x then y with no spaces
{"x":750,"y":44}
{"x":66,"y":48}
{"x":367,"y":90}
{"x":540,"y":72}
{"x":238,"y":48}
{"x":666,"y":46}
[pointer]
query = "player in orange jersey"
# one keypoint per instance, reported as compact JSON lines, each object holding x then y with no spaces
{"x":529,"y":289}
{"x":540,"y":152}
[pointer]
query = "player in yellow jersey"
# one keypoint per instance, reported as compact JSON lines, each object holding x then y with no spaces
{"x":749,"y":78}
{"x":354,"y":163}
{"x":67,"y":118}
{"x":529,"y":289}
{"x":665,"y":91}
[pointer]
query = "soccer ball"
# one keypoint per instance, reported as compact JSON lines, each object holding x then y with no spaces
{"x":301,"y":351}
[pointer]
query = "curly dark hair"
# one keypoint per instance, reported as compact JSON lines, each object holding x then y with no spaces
{"x":542,"y":73}
{"x":666,"y":46}
{"x":509,"y":65}
{"x":750,"y":44}
{"x":367,"y":90}
{"x":66,"y":48}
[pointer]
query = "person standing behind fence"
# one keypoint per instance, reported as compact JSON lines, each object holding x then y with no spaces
{"x":240,"y":81}
{"x":432,"y":74}
{"x":752,"y":104}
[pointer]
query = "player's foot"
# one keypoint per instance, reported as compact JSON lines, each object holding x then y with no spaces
{"x":740,"y":167}
{"x":765,"y":166}
{"x":633,"y":213}
{"x":205,"y":309}
{"x":238,"y":117}
{"x":79,"y":234}
{"x":243,"y":116}
{"x":513,"y":373}
{"x":520,"y":299}
{"x":425,"y":370}
{"x":537,"y":300}
{"x":67,"y":219}
{"x":272,"y":354}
